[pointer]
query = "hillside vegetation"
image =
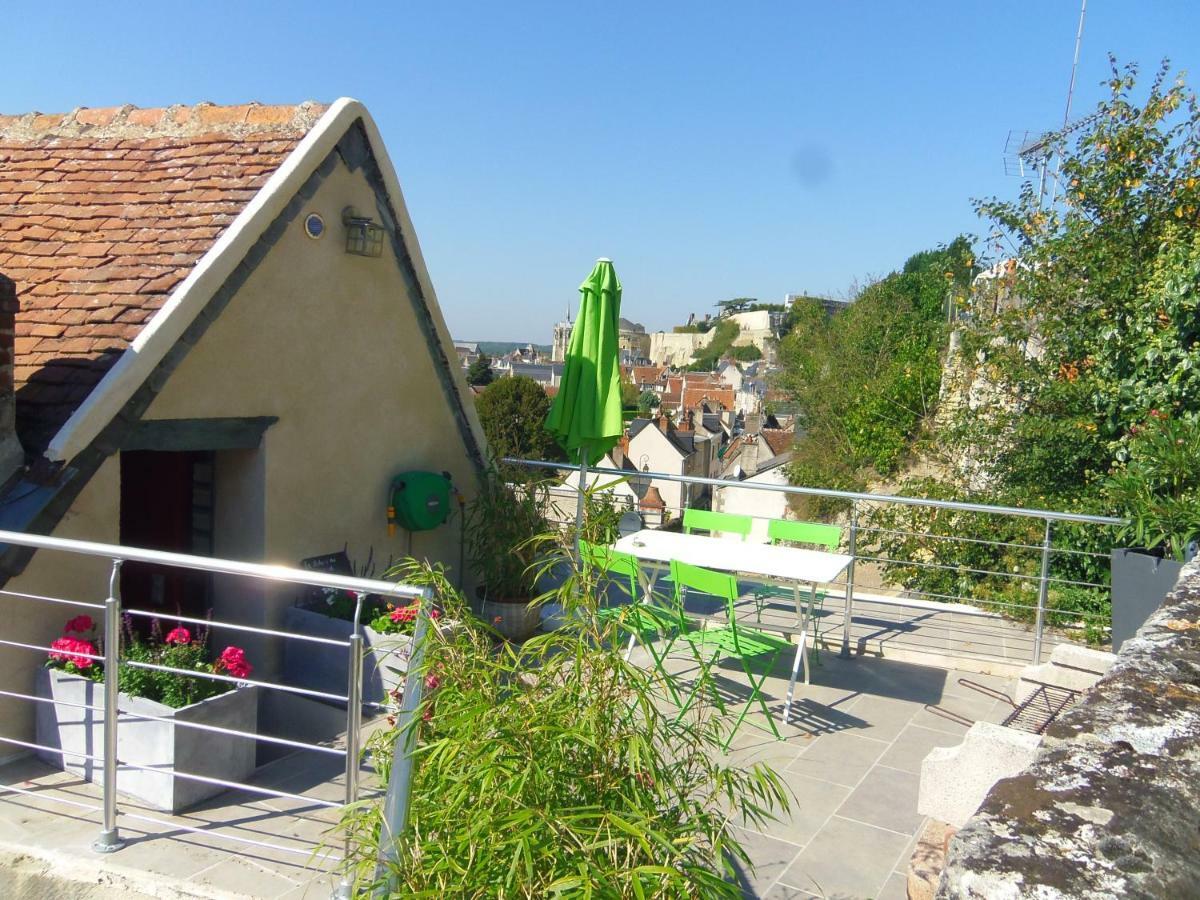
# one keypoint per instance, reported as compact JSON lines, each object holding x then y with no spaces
{"x":866,"y":379}
{"x":1086,"y":342}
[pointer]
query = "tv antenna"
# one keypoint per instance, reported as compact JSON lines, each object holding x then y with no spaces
{"x":1026,"y":152}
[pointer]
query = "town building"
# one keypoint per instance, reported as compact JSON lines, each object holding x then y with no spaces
{"x":468,"y":352}
{"x":657,"y":445}
{"x":561,"y":339}
{"x":757,"y":457}
{"x":633,"y":343}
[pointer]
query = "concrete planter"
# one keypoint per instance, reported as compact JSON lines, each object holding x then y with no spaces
{"x":1140,"y":583}
{"x":514,"y":621}
{"x":322,"y":667}
{"x":140,"y":742}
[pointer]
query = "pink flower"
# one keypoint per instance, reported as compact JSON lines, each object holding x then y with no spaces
{"x":233,"y":661}
{"x":178,"y":636}
{"x":74,"y":651}
{"x":80,"y":624}
{"x":404,"y":614}
{"x":435,"y":614}
{"x":432,"y":682}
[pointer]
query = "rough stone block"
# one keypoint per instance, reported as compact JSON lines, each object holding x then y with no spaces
{"x":1071,"y":667}
{"x":954,"y":780}
{"x":1111,"y":806}
{"x":928,"y":858}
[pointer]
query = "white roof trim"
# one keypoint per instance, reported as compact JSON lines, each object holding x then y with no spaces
{"x":212,"y":270}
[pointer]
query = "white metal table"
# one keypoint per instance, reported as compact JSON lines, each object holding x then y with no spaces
{"x":766,"y":562}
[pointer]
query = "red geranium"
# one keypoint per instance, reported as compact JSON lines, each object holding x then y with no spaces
{"x":233,"y":661}
{"x":178,"y":636}
{"x":404,"y":614}
{"x":80,"y":624}
{"x":74,"y":651}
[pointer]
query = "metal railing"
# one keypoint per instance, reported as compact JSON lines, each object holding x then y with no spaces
{"x":111,"y":712}
{"x":923,"y":589}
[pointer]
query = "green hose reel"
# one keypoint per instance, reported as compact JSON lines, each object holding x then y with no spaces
{"x":419,"y":501}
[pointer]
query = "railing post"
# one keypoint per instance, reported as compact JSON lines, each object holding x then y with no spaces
{"x":1043,"y":589}
{"x":849,"y":611}
{"x":109,"y":840}
{"x":396,"y":803}
{"x":354,"y":679}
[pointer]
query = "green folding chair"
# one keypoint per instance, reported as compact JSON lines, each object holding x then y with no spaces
{"x":727,"y":639}
{"x":707,"y":520}
{"x":644,"y":620}
{"x":815,"y":534}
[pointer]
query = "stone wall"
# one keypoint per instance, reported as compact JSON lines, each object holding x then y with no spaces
{"x":1111,"y":805}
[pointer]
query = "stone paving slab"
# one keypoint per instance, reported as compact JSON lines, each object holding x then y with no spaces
{"x":850,"y":756}
{"x":162,"y":861}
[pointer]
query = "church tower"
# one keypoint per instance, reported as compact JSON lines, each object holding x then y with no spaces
{"x":562,"y":338}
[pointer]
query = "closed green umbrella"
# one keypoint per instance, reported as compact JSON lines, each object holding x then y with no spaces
{"x":586,"y":415}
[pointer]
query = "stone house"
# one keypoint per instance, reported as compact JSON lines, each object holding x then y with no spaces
{"x":227,"y":343}
{"x":657,"y":445}
{"x":758,"y":458}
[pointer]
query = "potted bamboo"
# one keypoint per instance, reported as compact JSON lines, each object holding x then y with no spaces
{"x":1158,"y":490}
{"x":504,"y":527}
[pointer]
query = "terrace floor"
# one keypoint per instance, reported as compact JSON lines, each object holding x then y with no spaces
{"x":851,"y":757}
{"x":45,"y":839}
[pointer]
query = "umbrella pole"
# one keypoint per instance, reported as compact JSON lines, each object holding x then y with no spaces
{"x":583,"y":467}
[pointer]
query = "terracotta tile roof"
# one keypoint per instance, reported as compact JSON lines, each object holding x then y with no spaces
{"x":735,"y":447}
{"x":694,"y":396}
{"x":102,"y":213}
{"x":701,"y":379}
{"x":646,"y":375}
{"x":673,"y":392}
{"x":778,"y":439}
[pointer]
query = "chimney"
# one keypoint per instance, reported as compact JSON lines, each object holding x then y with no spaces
{"x":748,"y":458}
{"x":12,"y":457}
{"x":621,"y":450}
{"x":653,"y":508}
{"x":664,"y":424}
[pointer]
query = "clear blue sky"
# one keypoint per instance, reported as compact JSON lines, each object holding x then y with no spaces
{"x":712,"y":150}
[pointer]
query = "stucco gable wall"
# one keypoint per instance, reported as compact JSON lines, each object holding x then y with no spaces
{"x":329,"y":343}
{"x":661,"y":456}
{"x":761,"y":505}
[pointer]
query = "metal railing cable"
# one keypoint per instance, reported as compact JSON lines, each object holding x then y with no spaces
{"x":830,"y":493}
{"x":990,"y":590}
{"x":267,"y":632}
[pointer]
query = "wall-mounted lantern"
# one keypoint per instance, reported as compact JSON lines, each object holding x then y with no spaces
{"x":363,"y":236}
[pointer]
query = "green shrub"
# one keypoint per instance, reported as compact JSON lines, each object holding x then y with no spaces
{"x":554,"y":768}
{"x":865,"y":381}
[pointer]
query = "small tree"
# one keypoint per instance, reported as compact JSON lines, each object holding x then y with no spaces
{"x":480,"y":373}
{"x":629,"y":395}
{"x":736,"y":305}
{"x":748,"y":353}
{"x":512,"y":412}
{"x":647,"y":403}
